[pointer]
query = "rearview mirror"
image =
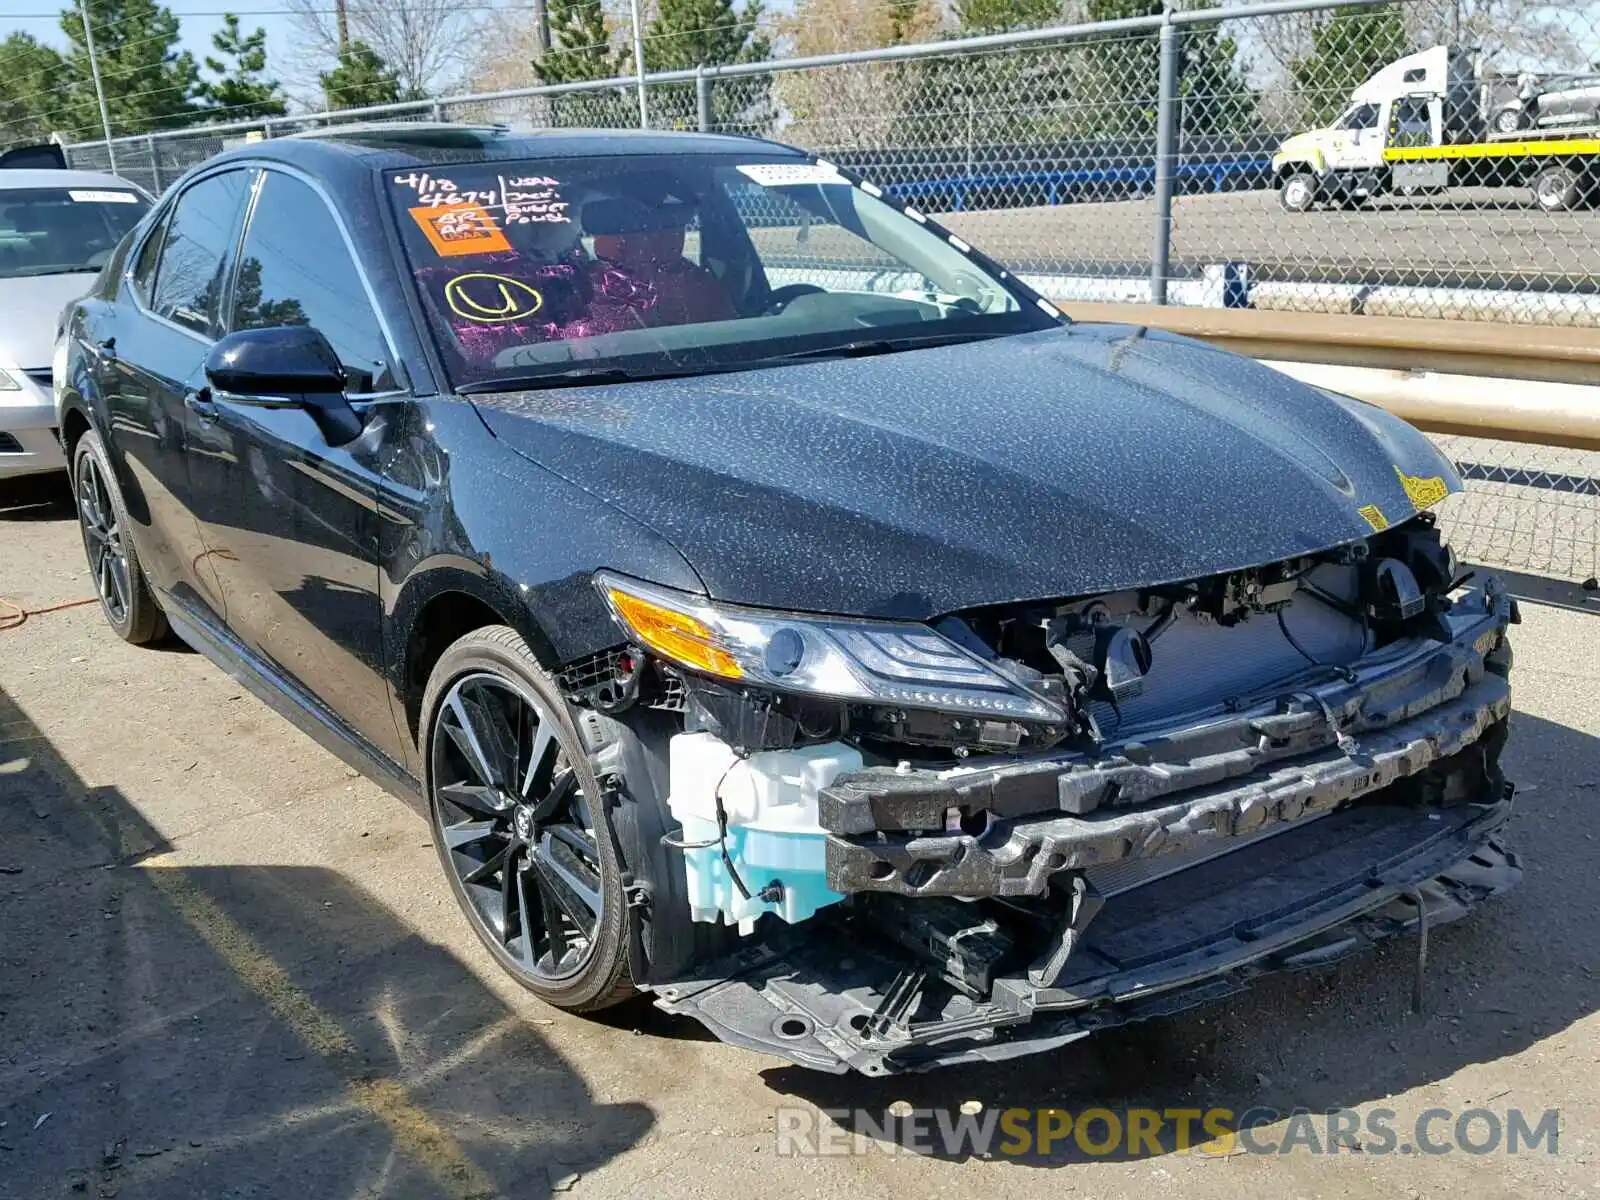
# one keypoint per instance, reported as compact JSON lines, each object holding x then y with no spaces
{"x":294,"y":361}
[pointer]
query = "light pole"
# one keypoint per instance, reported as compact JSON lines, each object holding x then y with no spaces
{"x":99,"y":91}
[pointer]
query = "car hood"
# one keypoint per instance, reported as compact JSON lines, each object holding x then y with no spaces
{"x":29,"y":307}
{"x":1301,"y":144}
{"x":1054,"y":464}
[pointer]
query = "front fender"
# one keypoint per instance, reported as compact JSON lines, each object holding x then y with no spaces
{"x":506,"y":533}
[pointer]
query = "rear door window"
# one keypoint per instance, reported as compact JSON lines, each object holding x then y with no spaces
{"x":201,"y":235}
{"x":144,"y":268}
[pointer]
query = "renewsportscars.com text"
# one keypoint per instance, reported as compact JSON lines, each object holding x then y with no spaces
{"x":1143,"y":1132}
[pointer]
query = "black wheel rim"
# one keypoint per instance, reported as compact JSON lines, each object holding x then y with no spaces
{"x":516,"y":827}
{"x":102,"y":539}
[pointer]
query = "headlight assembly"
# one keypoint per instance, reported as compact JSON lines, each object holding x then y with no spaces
{"x":876,"y":662}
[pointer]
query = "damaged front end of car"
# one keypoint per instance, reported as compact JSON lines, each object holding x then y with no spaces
{"x":925,"y":844}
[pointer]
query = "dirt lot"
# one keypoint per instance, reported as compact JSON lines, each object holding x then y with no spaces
{"x":230,"y":968}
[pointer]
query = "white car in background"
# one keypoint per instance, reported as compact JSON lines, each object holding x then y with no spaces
{"x":57,"y":229}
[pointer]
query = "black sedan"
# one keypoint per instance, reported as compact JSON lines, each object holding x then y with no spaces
{"x":776,"y":606}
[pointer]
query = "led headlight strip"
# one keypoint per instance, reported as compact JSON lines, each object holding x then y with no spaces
{"x":881,"y":662}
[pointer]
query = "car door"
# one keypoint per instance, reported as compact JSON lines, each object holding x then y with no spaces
{"x":292,"y":527}
{"x":1357,"y":142}
{"x":151,"y":356}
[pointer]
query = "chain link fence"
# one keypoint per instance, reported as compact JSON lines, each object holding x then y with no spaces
{"x":1390,"y":158}
{"x":1232,"y":155}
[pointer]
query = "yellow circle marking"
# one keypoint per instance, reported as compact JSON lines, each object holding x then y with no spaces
{"x":491,"y":299}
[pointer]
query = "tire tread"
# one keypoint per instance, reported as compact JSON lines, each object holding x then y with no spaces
{"x":615,"y":984}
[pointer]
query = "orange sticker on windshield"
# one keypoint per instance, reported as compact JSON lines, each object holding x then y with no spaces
{"x":457,"y":229}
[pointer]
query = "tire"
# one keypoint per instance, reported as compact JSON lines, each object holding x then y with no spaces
{"x":126,"y":599}
{"x":1298,"y":192}
{"x":489,"y":671}
{"x":1510,"y":120}
{"x":1557,"y":189}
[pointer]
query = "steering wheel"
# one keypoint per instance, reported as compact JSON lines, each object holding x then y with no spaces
{"x":780,"y":298}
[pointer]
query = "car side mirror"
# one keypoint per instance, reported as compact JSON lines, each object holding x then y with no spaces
{"x":292,"y":361}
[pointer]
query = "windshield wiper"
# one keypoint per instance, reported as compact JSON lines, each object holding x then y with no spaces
{"x":880,"y":346}
{"x":573,"y":377}
{"x":35,"y":274}
{"x":598,"y":375}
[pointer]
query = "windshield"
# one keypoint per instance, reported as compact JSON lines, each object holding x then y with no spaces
{"x":58,"y":231}
{"x":626,"y":267}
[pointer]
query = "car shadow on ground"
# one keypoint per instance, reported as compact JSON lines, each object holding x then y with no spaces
{"x":172,"y":1031}
{"x":1519,"y":969}
{"x":37,"y":498}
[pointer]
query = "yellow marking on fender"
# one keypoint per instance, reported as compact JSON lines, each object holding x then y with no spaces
{"x":415,"y":1133}
{"x":1374,"y":517}
{"x":1424,"y":491}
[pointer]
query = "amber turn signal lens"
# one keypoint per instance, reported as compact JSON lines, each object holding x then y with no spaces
{"x":674,"y":635}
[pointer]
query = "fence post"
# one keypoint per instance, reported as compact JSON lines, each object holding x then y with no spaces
{"x":438,"y":113}
{"x":155,"y":164}
{"x":702,"y":98}
{"x":1166,"y":156}
{"x":638,"y":64}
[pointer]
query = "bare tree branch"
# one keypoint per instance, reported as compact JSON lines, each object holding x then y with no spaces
{"x":426,"y":43}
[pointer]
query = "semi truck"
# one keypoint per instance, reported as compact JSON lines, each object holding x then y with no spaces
{"x":1433,"y":120}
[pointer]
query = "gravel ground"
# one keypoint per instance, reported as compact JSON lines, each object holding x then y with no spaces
{"x":230,"y":968}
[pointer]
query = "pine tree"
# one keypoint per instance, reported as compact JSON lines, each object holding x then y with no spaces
{"x":359,"y":79}
{"x":970,"y":103}
{"x":1002,"y":16}
{"x":692,"y":33}
{"x":1123,"y":88}
{"x":1216,"y":99}
{"x":239,"y":91}
{"x":580,"y":44}
{"x":33,"y":99}
{"x":1346,"y":51}
{"x":148,"y":83}
{"x":581,"y":49}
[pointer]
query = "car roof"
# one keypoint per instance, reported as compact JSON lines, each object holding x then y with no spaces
{"x":399,"y":144}
{"x":49,"y":177}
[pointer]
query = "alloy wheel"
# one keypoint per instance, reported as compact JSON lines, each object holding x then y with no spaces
{"x":517,"y":830}
{"x":102,"y":539}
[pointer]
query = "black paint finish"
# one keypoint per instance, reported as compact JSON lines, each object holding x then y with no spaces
{"x":1072,"y":461}
{"x":1053,"y":464}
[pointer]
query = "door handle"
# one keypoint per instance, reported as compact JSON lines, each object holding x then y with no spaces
{"x":106,"y":349}
{"x":201,"y":404}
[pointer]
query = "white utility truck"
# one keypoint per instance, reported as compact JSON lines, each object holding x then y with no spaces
{"x":1431,"y":121}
